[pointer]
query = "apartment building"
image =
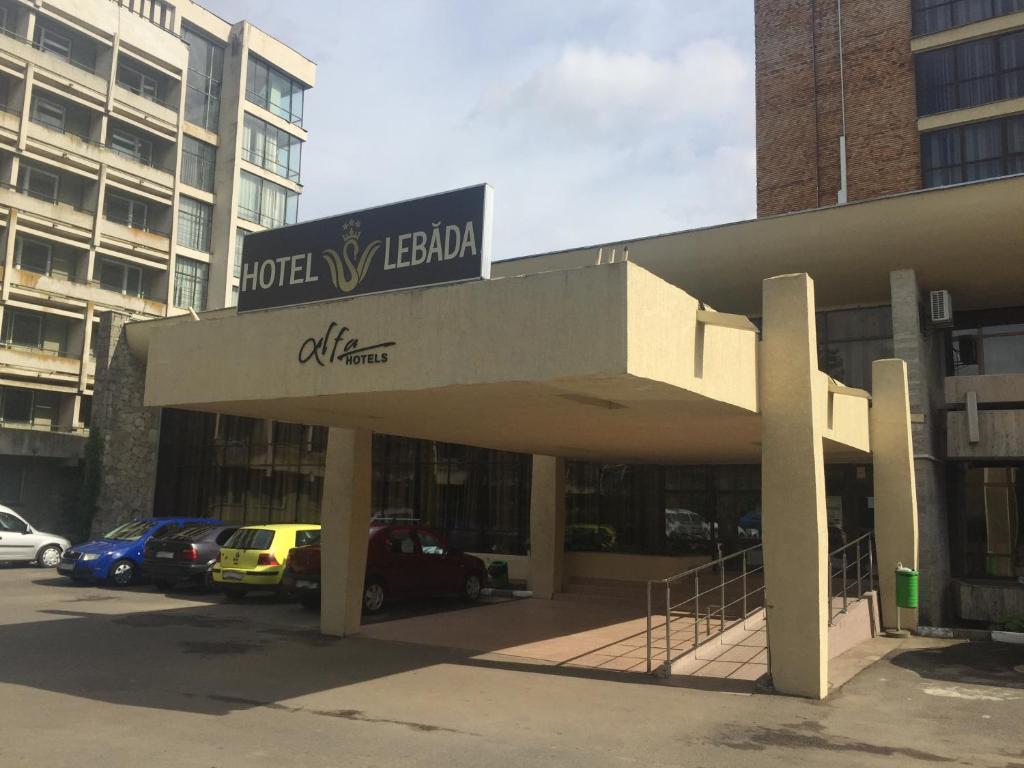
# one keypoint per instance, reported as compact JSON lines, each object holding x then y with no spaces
{"x":865,"y":99}
{"x":140,"y":141}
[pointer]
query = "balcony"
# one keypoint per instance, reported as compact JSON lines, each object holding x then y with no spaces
{"x":86,"y":291}
{"x":45,"y":442}
{"x":40,"y":364}
{"x":57,"y":213}
{"x":53,"y":68}
{"x":149,"y":241}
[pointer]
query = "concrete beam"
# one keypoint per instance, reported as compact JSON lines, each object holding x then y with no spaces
{"x":793,"y":490}
{"x":896,"y":537}
{"x":345,"y":518}
{"x":547,"y":526}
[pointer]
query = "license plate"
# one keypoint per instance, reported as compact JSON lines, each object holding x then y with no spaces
{"x":303,"y":584}
{"x":165,"y":554}
{"x":231,"y":575}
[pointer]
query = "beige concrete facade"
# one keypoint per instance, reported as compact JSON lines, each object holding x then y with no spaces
{"x":96,"y":111}
{"x":547,"y":527}
{"x":793,"y":491}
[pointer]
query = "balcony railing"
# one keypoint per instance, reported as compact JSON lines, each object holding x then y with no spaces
{"x":127,"y":221}
{"x":91,"y":282}
{"x":163,"y":102}
{"x":22,"y":424}
{"x":33,"y":348}
{"x":269,"y":164}
{"x":46,"y":198}
{"x":15,"y":36}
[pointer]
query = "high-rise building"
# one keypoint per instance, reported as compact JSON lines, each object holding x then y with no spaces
{"x":858,"y":99}
{"x":139,"y":143}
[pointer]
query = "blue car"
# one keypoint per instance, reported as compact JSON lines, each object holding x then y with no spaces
{"x":115,"y":558}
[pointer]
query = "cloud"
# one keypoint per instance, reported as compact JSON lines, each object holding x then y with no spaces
{"x":594,"y":120}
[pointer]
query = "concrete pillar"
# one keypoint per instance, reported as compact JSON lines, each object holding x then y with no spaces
{"x":793,"y":490}
{"x":924,"y":352}
{"x":129,"y":432}
{"x":895,"y":489}
{"x":547,"y":526}
{"x":345,"y":518}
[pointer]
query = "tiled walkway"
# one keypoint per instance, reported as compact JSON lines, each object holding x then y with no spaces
{"x":569,"y":633}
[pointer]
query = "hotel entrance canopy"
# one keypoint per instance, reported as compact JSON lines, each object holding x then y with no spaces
{"x":606,"y":363}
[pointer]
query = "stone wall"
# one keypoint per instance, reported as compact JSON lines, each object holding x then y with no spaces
{"x":130,"y":432}
{"x":923,"y":351}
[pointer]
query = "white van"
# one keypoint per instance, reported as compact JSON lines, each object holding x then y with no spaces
{"x":21,"y":543}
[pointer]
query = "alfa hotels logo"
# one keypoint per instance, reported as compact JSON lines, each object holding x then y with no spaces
{"x":337,"y":344}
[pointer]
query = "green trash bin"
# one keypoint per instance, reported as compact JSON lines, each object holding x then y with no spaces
{"x":906,"y":586}
{"x":497,"y":574}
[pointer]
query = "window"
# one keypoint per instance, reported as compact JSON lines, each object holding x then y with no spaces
{"x":9,"y":522}
{"x":195,"y":220}
{"x":15,"y":405}
{"x":190,"y":281}
{"x":138,"y":82}
{"x":969,"y":74}
{"x":198,"y":160}
{"x":239,"y":249}
{"x":54,"y":42}
{"x":266,"y":203}
{"x":250,"y":538}
{"x":33,"y":256}
{"x":38,"y":183}
{"x":400,"y":542}
{"x":973,"y":152}
{"x":986,"y":516}
{"x":23,"y":329}
{"x":936,"y":15}
{"x":988,"y":343}
{"x":123,"y":278}
{"x":127,"y":211}
{"x":850,"y":340}
{"x":273,"y":90}
{"x":429,"y":543}
{"x":49,"y":113}
{"x":12,"y":482}
{"x":271,"y":148}
{"x":130,"y":145}
{"x":307,"y":537}
{"x":205,"y":68}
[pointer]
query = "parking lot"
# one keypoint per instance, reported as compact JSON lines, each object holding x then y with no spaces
{"x":91,"y":675}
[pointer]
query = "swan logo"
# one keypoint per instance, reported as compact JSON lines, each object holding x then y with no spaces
{"x":349,"y":267}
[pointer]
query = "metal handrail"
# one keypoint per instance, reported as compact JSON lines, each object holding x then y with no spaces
{"x":862,"y":551}
{"x":720,"y":610}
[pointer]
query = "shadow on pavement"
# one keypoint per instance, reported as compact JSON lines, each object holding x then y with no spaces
{"x":971,"y":663}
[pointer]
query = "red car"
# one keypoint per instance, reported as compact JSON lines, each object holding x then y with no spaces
{"x":402,"y":561}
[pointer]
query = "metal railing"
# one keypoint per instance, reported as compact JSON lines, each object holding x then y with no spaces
{"x":852,"y":565}
{"x":709,"y":597}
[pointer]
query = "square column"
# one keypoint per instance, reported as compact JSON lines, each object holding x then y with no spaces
{"x":547,"y":526}
{"x":345,"y":518}
{"x":892,"y":450}
{"x":793,"y":490}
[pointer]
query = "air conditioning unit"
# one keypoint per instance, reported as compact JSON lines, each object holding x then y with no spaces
{"x":941,"y":308}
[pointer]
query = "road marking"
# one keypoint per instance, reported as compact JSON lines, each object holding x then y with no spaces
{"x":972,"y":694}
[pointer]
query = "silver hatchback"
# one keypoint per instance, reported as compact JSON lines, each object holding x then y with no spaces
{"x":21,"y":543}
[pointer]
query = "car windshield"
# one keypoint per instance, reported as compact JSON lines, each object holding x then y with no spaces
{"x":130,"y":531}
{"x":250,"y":538}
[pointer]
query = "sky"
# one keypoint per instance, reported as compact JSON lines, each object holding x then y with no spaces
{"x":594,"y":120}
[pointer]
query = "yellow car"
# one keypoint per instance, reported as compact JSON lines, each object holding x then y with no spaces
{"x":254,"y":556}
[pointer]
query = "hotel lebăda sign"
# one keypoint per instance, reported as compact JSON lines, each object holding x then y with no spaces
{"x":443,"y":238}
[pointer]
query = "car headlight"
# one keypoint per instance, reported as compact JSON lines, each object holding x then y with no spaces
{"x":91,"y":556}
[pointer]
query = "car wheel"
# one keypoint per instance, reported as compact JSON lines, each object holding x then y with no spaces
{"x":234,"y":593}
{"x":163,"y":585}
{"x":310,"y":600}
{"x":122,"y":573}
{"x":48,"y":556}
{"x":471,"y":588}
{"x":206,"y":582}
{"x":373,"y":597}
